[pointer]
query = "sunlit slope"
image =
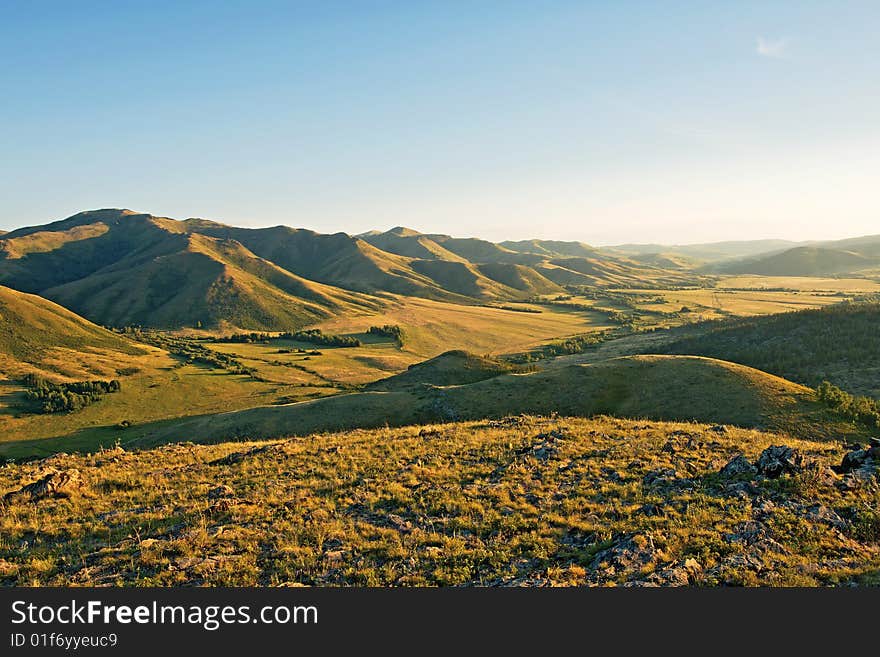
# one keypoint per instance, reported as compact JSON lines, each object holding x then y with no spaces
{"x":35,"y":332}
{"x":119,"y":268}
{"x":657,"y":387}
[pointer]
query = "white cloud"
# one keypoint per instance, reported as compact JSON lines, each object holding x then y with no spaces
{"x":774,"y":48}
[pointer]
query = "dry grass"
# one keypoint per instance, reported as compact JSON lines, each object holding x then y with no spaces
{"x":521,"y":501}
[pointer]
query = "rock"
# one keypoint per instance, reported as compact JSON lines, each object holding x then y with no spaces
{"x":778,"y":460}
{"x":628,"y":553}
{"x":222,"y":505}
{"x":55,"y":484}
{"x":674,"y":576}
{"x":670,"y":447}
{"x":739,"y":466}
{"x":659,"y":476}
{"x":611,"y":474}
{"x":399,"y":523}
{"x":854,"y":460}
{"x":220,"y":492}
{"x":719,"y":429}
{"x":692,"y":565}
{"x":742,"y":489}
{"x":650,"y":510}
{"x":821,"y":513}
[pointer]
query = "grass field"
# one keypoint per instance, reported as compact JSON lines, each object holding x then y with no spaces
{"x":165,"y":391}
{"x":800,"y":283}
{"x":433,"y":327}
{"x":521,"y":501}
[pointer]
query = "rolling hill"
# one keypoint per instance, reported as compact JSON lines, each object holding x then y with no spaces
{"x":839,"y":343}
{"x":854,"y":256}
{"x":551,"y":248}
{"x":455,"y":367}
{"x":708,"y":252}
{"x":802,"y":261}
{"x":37,"y":335}
{"x":120,"y":267}
{"x":656,"y":387}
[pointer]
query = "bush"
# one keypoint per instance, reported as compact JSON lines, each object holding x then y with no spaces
{"x":862,"y":410}
{"x":388,"y":330}
{"x":65,"y":397}
{"x":315,"y":336}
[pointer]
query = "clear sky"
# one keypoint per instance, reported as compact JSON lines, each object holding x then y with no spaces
{"x":606,"y":121}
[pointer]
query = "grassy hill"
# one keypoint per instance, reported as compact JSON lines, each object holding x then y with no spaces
{"x":520,"y":501}
{"x":455,"y":367}
{"x":707,"y":252}
{"x":550,"y":248}
{"x":802,"y":261}
{"x":858,"y":255}
{"x":412,"y":244}
{"x":120,"y":268}
{"x":839,"y":343}
{"x":39,"y":336}
{"x":654,"y":387}
{"x":31,"y":325}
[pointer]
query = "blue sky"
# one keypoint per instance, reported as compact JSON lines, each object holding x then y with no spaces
{"x":600,"y":121}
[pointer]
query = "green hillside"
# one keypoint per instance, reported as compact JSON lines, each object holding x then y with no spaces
{"x":656,"y":387}
{"x":839,"y":343}
{"x":31,"y":325}
{"x":121,"y":268}
{"x":550,"y":248}
{"x":455,"y":367}
{"x":802,"y":261}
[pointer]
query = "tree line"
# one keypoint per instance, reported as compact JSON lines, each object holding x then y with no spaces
{"x":52,"y":397}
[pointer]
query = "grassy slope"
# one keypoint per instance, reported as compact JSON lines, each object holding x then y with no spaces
{"x":211,"y":283}
{"x":433,"y":327}
{"x":657,"y":387}
{"x":33,"y":331}
{"x":127,"y":268}
{"x":802,"y":261}
{"x":840,"y":343}
{"x":484,"y":503}
{"x":450,"y":368}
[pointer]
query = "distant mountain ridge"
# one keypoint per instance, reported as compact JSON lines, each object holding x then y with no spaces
{"x":120,"y":267}
{"x":852,"y":256}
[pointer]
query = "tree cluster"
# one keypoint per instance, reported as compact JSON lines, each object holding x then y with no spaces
{"x":52,"y":397}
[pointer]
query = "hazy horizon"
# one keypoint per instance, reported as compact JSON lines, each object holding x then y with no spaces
{"x":429,"y":230}
{"x":681,"y":123}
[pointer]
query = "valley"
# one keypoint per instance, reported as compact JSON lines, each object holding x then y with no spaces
{"x":261,"y":362}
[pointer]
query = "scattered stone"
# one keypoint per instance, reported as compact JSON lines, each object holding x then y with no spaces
{"x":659,"y":476}
{"x":55,"y":484}
{"x":854,"y":460}
{"x":399,"y":523}
{"x":778,"y":460}
{"x":692,"y":565}
{"x":611,"y":474}
{"x":719,"y":429}
{"x":628,"y":553}
{"x":650,"y":510}
{"x":739,"y":466}
{"x":220,"y":492}
{"x":821,"y":513}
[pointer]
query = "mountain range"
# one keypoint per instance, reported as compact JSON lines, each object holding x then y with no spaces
{"x":119,"y":267}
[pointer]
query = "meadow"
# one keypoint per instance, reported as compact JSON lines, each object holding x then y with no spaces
{"x":520,"y":501}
